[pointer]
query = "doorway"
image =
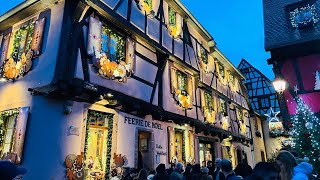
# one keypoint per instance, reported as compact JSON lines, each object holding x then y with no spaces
{"x":144,"y":150}
{"x":206,"y":152}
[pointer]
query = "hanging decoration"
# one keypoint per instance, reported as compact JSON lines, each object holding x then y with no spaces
{"x":145,"y":6}
{"x":174,"y":23}
{"x":207,"y":102}
{"x":275,"y":125}
{"x":181,"y":88}
{"x":304,"y":16}
{"x":75,"y":167}
{"x":317,"y":83}
{"x":241,"y":122}
{"x":27,"y":43}
{"x":113,"y":56}
{"x":220,"y":72}
{"x":203,"y":58}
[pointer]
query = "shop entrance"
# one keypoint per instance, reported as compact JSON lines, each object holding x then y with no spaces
{"x":98,"y":144}
{"x":206,"y":151}
{"x":145,"y":151}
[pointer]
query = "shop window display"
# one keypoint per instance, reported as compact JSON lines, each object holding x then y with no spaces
{"x":12,"y":132}
{"x":205,"y":152}
{"x":179,"y":146}
{"x":98,"y":140}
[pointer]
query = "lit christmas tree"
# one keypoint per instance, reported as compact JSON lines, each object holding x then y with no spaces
{"x":317,"y":84}
{"x":306,"y":134}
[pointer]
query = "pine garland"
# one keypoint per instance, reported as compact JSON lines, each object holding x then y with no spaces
{"x":28,"y":29}
{"x":4,"y":115}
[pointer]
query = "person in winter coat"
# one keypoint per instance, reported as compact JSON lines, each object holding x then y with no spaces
{"x":177,"y":172}
{"x":286,"y":162}
{"x":264,"y":171}
{"x":196,"y":172}
{"x":217,"y":174}
{"x":161,"y":173}
{"x":243,"y":169}
{"x":151,"y":174}
{"x":187,"y":172}
{"x":302,"y":171}
{"x":226,"y":168}
{"x":143,"y":174}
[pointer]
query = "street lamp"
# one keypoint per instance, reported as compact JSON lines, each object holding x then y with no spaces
{"x":279,"y":85}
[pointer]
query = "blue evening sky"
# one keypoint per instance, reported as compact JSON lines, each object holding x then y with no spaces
{"x":236,"y":26}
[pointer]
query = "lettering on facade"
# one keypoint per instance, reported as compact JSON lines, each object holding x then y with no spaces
{"x":90,"y":87}
{"x":142,"y":123}
{"x":161,"y":153}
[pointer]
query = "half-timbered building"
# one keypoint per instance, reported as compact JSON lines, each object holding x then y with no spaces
{"x":116,"y":83}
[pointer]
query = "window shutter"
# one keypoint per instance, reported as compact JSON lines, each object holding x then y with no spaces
{"x":94,"y":36}
{"x":20,"y":129}
{"x":191,"y":158}
{"x":179,"y":24}
{"x":130,"y":53}
{"x":36,"y":44}
{"x":190,"y":90}
{"x":5,"y":47}
{"x":171,"y":144}
{"x":174,"y":80}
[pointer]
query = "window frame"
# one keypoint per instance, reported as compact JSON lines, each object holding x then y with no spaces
{"x":185,"y":77}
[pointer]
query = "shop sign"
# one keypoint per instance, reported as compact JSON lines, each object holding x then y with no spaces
{"x":142,"y":123}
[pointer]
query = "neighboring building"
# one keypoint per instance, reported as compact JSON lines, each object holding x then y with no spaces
{"x":116,"y":84}
{"x":292,"y":35}
{"x":261,"y":93}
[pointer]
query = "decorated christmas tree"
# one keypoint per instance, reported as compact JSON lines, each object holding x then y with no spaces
{"x":317,"y":84}
{"x":306,"y":134}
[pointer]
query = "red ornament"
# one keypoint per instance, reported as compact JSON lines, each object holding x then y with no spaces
{"x":306,"y":135}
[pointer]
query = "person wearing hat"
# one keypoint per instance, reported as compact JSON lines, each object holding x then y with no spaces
{"x":8,"y":170}
{"x":226,"y":168}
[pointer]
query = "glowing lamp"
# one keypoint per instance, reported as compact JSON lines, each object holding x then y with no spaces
{"x":279,"y":85}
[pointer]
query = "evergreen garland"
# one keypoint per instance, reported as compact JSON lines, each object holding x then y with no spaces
{"x":4,"y":115}
{"x":28,"y":29}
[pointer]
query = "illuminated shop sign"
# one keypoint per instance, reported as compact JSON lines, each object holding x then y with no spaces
{"x":142,"y":123}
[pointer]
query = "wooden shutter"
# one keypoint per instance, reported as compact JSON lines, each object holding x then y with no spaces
{"x":36,"y":44}
{"x":20,"y":129}
{"x":94,"y":36}
{"x":174,"y":80}
{"x":171,"y":142}
{"x":5,"y":47}
{"x":191,"y":147}
{"x":130,"y":53}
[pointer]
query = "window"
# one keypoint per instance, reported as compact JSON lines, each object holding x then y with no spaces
{"x":182,"y":82}
{"x":208,"y":101}
{"x":231,"y":78}
{"x":264,"y":102}
{"x":204,"y":55}
{"x":223,"y":107}
{"x":172,"y":17}
{"x":112,"y":44}
{"x":221,"y":70}
{"x":22,"y":41}
{"x":12,"y":133}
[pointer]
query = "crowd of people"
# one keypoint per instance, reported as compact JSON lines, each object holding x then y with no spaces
{"x":287,"y":166}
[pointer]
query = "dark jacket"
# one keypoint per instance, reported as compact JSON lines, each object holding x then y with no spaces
{"x":243,"y":169}
{"x":176,"y":176}
{"x":232,"y":177}
{"x":221,"y":175}
{"x":161,"y":176}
